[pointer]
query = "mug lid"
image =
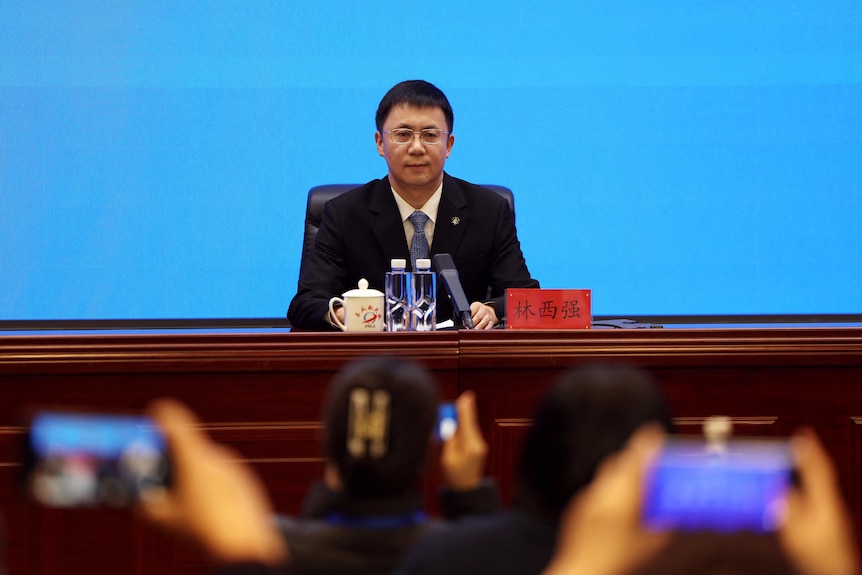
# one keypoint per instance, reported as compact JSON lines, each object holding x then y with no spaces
{"x":363,"y":290}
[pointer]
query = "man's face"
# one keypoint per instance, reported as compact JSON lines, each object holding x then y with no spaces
{"x":414,"y":167}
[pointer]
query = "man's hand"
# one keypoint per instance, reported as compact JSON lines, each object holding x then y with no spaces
{"x":817,"y":533}
{"x":215,"y":499}
{"x":339,"y":314}
{"x":463,"y":455}
{"x":484,"y":316}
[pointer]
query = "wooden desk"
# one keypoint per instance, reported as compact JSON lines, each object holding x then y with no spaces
{"x":262,"y":391}
{"x":769,"y":381}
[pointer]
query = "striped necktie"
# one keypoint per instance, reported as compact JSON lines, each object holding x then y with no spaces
{"x":419,"y":246}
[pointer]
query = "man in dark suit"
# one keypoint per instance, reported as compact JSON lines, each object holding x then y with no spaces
{"x":364,"y":229}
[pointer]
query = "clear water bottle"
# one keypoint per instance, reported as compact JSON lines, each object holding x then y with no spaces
{"x":398,"y":297}
{"x":423,"y":302}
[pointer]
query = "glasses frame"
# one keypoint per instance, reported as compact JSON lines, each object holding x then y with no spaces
{"x":420,"y":133}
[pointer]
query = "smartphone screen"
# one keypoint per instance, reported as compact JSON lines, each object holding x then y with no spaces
{"x":741,"y":487}
{"x":93,"y":460}
{"x":447,"y":421}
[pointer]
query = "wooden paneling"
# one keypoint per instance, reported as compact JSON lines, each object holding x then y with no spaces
{"x":770,"y":381}
{"x":507,"y":442}
{"x":262,"y":393}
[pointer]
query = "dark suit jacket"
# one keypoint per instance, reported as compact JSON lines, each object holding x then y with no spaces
{"x":358,"y":536}
{"x":510,"y":543}
{"x":362,"y":231}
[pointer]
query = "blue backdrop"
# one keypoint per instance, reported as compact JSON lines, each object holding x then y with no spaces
{"x":676,"y":157}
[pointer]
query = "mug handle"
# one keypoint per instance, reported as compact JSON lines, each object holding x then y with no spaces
{"x":334,"y":318}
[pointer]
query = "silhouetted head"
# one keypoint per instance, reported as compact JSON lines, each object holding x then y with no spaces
{"x":588,"y":414}
{"x":379,"y":415}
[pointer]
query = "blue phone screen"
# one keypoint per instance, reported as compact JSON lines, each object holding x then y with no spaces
{"x":91,"y":460}
{"x":740,"y":488}
{"x":447,"y":421}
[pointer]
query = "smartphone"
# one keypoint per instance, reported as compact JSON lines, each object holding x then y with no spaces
{"x":75,"y":459}
{"x":738,"y":486}
{"x":447,"y":421}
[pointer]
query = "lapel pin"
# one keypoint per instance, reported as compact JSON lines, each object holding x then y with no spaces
{"x":456,"y":220}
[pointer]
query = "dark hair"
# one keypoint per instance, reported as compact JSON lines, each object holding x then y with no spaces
{"x":588,"y":414}
{"x":417,"y":93}
{"x":379,"y":414}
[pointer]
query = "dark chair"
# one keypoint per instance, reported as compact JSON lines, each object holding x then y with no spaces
{"x":319,"y":195}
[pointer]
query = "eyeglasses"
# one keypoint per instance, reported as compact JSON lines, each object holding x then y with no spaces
{"x":429,"y":136}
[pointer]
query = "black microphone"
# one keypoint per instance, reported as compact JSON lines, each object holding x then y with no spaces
{"x":444,"y":265}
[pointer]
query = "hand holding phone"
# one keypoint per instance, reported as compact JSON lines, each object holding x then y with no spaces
{"x":742,"y":486}
{"x":462,"y":456}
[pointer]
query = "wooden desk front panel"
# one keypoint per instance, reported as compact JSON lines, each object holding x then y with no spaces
{"x":262,"y":393}
{"x":769,"y":381}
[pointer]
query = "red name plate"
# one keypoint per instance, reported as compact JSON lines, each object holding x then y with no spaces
{"x":548,"y":309}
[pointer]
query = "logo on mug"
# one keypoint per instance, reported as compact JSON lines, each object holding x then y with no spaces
{"x":368,"y":315}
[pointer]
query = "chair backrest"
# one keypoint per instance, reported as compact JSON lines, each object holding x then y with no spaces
{"x":319,"y":195}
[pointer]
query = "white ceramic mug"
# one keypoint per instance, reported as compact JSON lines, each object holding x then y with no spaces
{"x":363,"y":309}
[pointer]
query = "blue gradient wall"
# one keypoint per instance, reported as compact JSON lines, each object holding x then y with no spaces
{"x":675,"y":157}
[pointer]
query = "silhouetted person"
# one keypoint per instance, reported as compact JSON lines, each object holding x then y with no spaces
{"x":589,"y":413}
{"x":368,"y":510}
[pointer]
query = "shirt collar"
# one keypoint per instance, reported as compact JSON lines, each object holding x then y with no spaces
{"x":430,"y":207}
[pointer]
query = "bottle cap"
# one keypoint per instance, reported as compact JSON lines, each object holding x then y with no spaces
{"x":423,"y":264}
{"x":399,"y":263}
